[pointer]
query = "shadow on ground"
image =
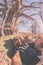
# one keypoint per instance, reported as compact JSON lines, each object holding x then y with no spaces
{"x":11,"y":48}
{"x":25,"y":56}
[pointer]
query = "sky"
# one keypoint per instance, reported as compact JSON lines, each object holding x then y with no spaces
{"x":38,"y":19}
{"x":28,"y":25}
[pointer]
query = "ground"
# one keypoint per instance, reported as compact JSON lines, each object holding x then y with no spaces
{"x":3,"y":52}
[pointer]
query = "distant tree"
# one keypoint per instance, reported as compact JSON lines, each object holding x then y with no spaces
{"x":13,"y":10}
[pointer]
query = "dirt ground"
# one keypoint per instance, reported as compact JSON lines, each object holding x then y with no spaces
{"x":4,"y":59}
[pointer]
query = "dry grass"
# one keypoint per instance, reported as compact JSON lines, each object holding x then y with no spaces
{"x":3,"y":39}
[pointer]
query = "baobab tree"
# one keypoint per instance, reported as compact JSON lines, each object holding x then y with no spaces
{"x":12,"y":10}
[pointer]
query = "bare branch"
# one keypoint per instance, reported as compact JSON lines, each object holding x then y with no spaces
{"x":32,"y":5}
{"x":29,"y":18}
{"x":5,"y":4}
{"x":2,"y":4}
{"x":2,"y":9}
